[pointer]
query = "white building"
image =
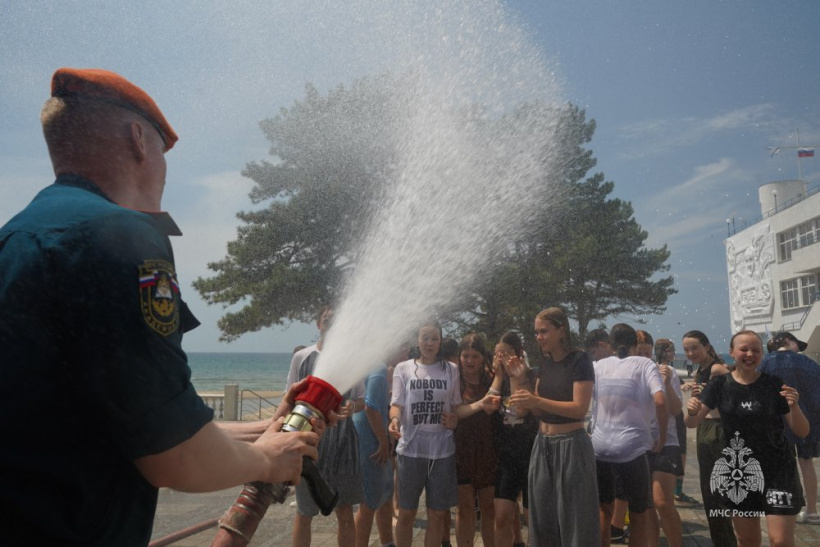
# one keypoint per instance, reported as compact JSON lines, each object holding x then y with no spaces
{"x":774,"y":265}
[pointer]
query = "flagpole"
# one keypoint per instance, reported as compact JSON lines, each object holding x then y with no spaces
{"x":809,"y":152}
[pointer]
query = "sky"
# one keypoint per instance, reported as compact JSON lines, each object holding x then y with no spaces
{"x":687,"y":98}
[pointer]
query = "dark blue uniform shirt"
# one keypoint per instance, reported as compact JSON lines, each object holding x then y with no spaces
{"x":92,"y":372}
{"x":802,"y":373}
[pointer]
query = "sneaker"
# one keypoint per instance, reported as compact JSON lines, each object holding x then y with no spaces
{"x":683,"y":498}
{"x":617,"y":535}
{"x":808,"y":518}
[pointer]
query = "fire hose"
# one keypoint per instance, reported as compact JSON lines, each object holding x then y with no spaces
{"x":239,"y":523}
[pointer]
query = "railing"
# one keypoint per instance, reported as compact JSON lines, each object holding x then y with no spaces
{"x":254,"y":406}
{"x":731,"y":230}
{"x":797,"y":325}
{"x":216,"y":402}
{"x":235,"y":404}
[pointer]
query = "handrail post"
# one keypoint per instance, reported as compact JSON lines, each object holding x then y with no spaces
{"x":231,"y":402}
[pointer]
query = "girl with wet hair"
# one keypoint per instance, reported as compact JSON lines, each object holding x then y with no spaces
{"x":623,"y":338}
{"x":629,"y":426}
{"x":665,"y":355}
{"x":425,"y":407}
{"x":664,"y":351}
{"x":710,"y":433}
{"x":517,"y":434}
{"x":667,"y":465}
{"x":450,"y":349}
{"x":563,"y":489}
{"x":645,"y":348}
{"x":645,"y":343}
{"x":476,"y":446}
{"x":759,"y":473}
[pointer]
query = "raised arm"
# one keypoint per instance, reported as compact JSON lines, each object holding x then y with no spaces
{"x":696,"y":412}
{"x":489,"y":404}
{"x":211,"y":460}
{"x":795,"y":419}
{"x":245,"y":431}
{"x":576,"y":408}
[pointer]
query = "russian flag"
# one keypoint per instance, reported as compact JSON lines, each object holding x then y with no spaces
{"x":148,"y":280}
{"x":805,"y":152}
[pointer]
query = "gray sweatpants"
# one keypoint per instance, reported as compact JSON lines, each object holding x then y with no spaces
{"x":563,"y":491}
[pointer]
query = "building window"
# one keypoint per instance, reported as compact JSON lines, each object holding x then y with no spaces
{"x":789,"y":294}
{"x":805,"y":234}
{"x":808,"y":289}
{"x":787,"y":243}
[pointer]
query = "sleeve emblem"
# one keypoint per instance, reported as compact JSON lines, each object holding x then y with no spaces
{"x":159,"y":296}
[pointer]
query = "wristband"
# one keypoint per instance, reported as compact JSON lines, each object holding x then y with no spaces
{"x":393,"y":418}
{"x":492,"y":391}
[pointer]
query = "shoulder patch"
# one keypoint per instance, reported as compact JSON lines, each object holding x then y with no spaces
{"x":159,"y":296}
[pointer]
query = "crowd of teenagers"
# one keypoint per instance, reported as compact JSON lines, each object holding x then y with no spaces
{"x":571,"y":442}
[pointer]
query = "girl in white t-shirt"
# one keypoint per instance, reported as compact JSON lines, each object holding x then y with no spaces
{"x":424,"y":410}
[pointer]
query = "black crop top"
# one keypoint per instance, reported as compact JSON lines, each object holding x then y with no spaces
{"x":703,"y":375}
{"x":556,"y":379}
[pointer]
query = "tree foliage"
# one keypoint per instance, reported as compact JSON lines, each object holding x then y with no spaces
{"x":333,"y":159}
{"x":332,"y":155}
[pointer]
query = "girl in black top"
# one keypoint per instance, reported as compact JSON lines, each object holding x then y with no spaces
{"x":517,"y":434}
{"x":710,"y":434}
{"x":563,"y":488}
{"x":758,"y":473}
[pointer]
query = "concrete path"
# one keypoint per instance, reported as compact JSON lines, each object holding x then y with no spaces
{"x":177,"y":511}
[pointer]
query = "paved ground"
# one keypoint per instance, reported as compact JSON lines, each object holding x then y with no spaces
{"x":177,"y":511}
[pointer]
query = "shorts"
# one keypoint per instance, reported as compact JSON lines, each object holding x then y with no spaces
{"x":633,"y":480}
{"x":668,"y":460}
{"x":349,"y":488}
{"x":437,"y":478}
{"x":377,"y":482}
{"x":808,"y":450}
{"x":511,"y":478}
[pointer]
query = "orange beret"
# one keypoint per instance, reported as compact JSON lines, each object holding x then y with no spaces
{"x":106,"y":86}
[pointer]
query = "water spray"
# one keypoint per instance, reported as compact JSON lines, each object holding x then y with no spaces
{"x":237,"y":526}
{"x":474,"y":125}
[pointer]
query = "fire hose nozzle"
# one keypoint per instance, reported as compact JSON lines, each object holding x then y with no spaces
{"x":239,"y":523}
{"x":316,"y":401}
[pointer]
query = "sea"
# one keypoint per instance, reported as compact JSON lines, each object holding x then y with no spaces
{"x":254,"y":371}
{"x":264,"y":371}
